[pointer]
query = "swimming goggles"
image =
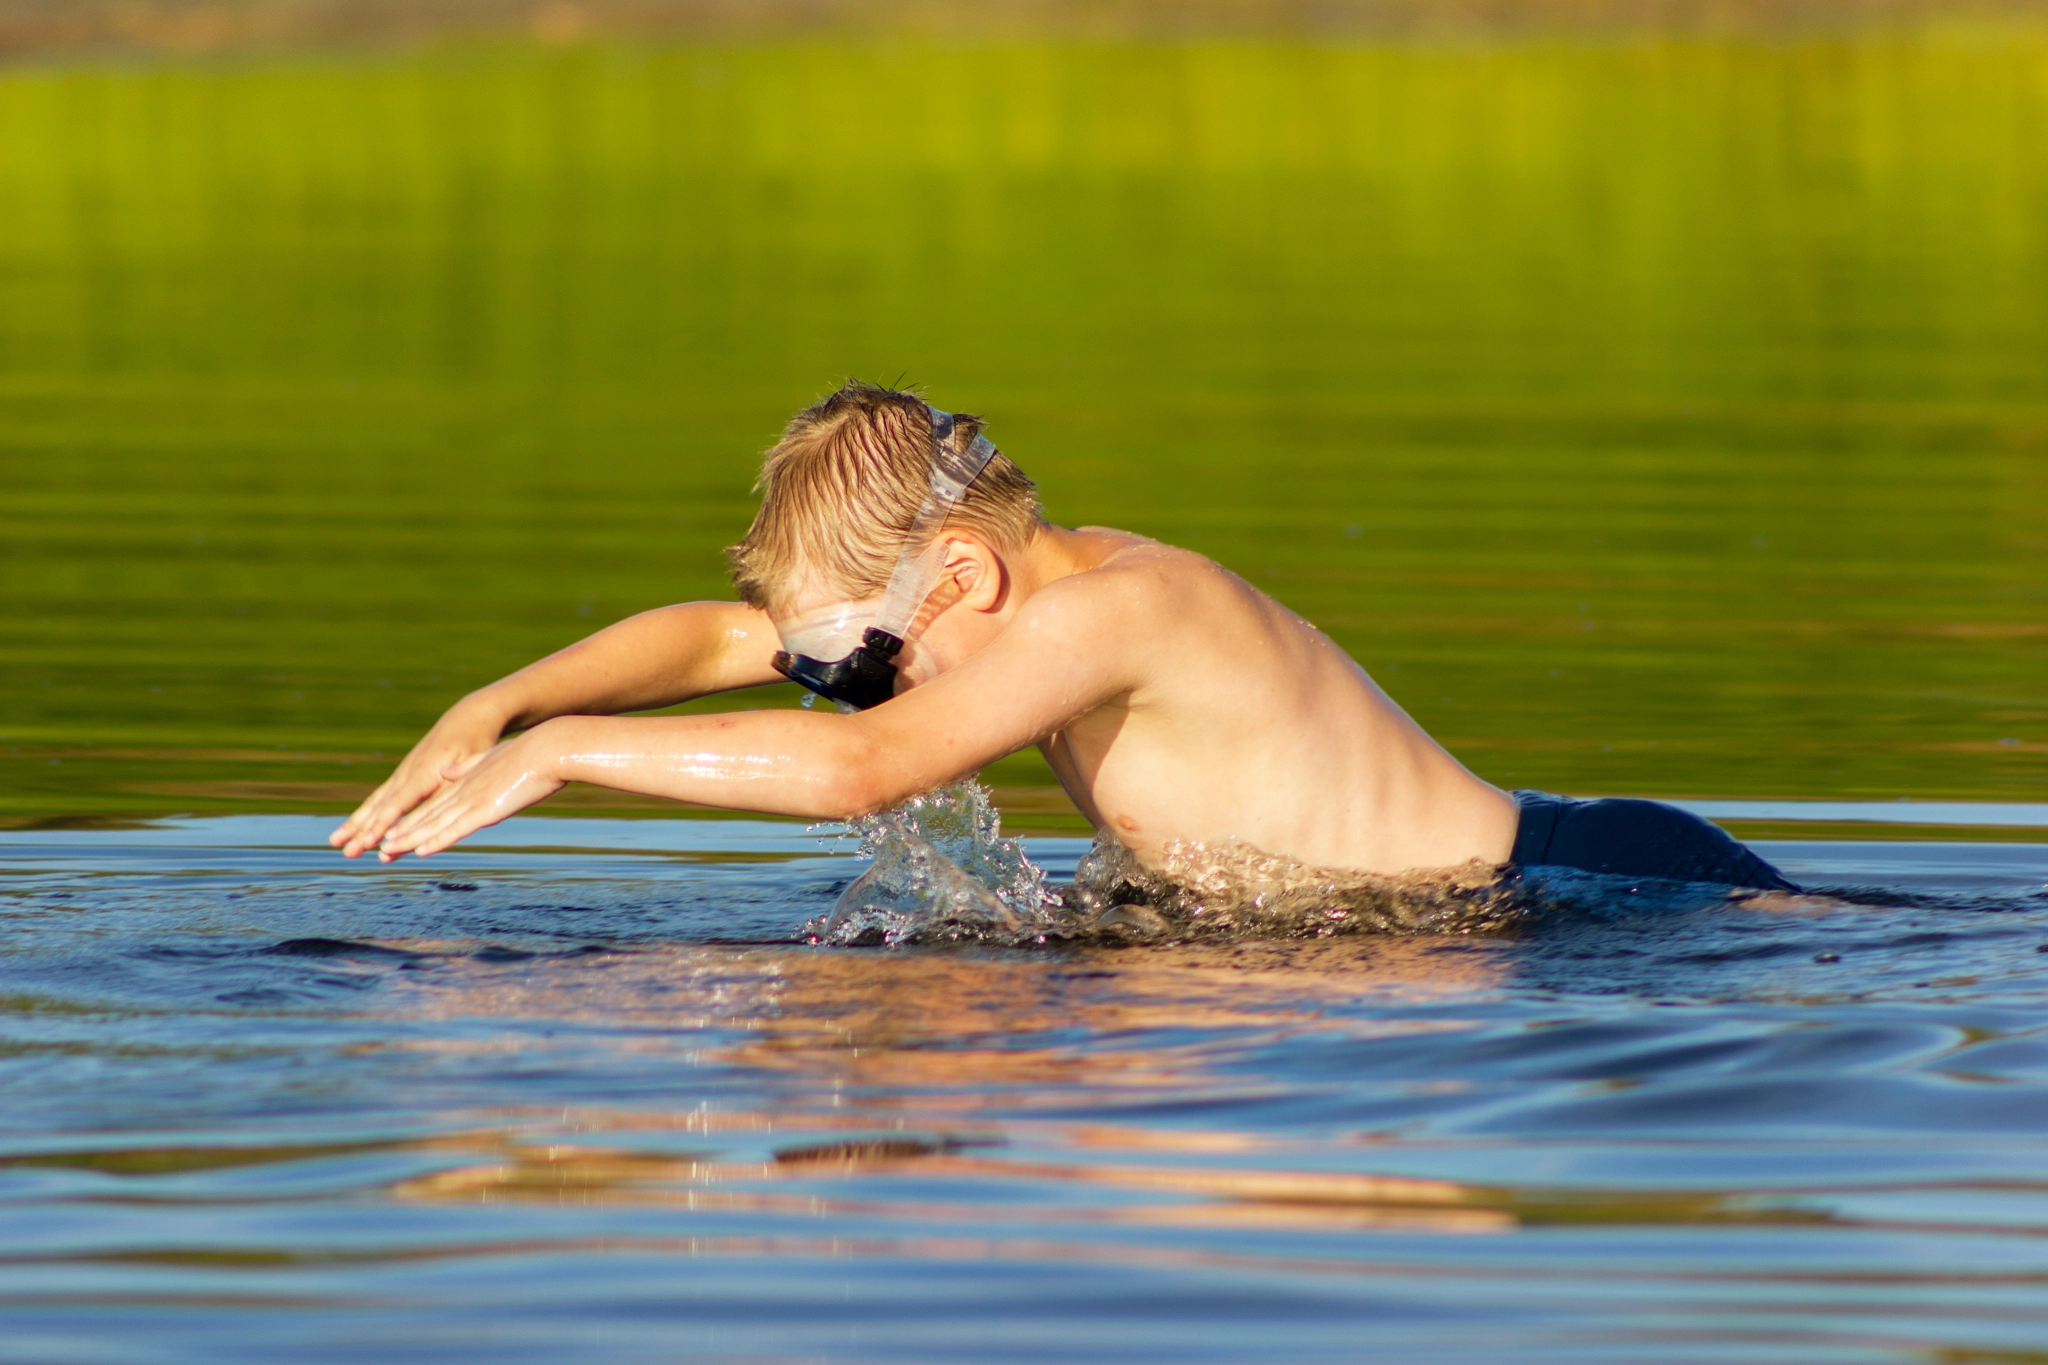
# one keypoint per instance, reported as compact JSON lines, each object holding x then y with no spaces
{"x":864,"y":674}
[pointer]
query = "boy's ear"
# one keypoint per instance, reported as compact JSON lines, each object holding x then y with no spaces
{"x":978,"y":573}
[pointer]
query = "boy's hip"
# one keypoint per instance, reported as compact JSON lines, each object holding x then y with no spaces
{"x":1630,"y":837}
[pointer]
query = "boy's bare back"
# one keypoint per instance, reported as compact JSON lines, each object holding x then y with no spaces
{"x":1244,"y":722}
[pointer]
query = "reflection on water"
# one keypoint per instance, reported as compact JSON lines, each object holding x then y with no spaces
{"x":1650,"y":417}
{"x":580,"y":1090}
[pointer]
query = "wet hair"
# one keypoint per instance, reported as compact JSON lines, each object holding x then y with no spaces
{"x":840,"y":489}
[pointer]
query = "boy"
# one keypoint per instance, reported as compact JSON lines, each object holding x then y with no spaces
{"x":901,"y":564}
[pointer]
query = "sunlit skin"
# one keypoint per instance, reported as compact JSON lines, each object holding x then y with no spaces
{"x":1173,"y":700}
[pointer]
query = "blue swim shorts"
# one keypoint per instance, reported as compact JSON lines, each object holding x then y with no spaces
{"x":1626,"y":837}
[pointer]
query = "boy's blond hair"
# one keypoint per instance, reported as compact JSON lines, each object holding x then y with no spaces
{"x":840,"y":489}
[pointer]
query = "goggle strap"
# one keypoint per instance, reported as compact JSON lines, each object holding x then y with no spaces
{"x":923,"y":557}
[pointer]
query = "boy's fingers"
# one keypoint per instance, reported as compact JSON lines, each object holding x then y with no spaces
{"x":360,"y":816}
{"x":458,"y":812}
{"x":415,"y":836}
{"x":431,"y":840}
{"x":371,"y":828}
{"x":402,"y":834}
{"x":350,"y":829}
{"x":394,"y":838}
{"x":349,"y":838}
{"x":456,"y":823}
{"x":375,"y":818}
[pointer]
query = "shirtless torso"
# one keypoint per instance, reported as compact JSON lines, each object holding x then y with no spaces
{"x":1249,"y":724}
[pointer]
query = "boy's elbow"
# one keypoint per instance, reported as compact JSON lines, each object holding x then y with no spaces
{"x":847,"y":795}
{"x":858,"y":785}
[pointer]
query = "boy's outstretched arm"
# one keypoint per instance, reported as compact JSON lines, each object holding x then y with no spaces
{"x":655,"y":659}
{"x":1068,"y":652}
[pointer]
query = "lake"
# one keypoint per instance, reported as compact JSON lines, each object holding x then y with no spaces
{"x":1651,"y":416}
{"x":576,"y":1090}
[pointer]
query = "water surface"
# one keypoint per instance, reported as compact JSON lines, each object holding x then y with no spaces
{"x":576,"y":1089}
{"x":1659,"y":417}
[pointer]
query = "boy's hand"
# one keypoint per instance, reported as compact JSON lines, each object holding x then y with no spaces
{"x":448,"y":750}
{"x":480,"y":791}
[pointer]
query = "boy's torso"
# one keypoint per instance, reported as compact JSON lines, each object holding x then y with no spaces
{"x":1247,"y":724}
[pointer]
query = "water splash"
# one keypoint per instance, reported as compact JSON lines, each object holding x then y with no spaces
{"x":1204,"y":892}
{"x":942,"y":873}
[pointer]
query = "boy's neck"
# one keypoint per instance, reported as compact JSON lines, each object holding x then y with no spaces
{"x":1053,"y":553}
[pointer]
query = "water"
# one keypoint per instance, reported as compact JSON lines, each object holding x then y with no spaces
{"x":1652,"y":416}
{"x":580,"y":1088}
{"x":941,"y":870}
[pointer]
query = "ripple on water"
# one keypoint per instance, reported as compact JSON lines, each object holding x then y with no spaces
{"x":582,"y":1090}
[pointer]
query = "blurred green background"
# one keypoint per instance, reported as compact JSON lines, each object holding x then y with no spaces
{"x":1650,"y":415}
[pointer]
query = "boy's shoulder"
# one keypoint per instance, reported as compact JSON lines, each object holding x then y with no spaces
{"x":1128,"y":555}
{"x":1128,"y":577}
